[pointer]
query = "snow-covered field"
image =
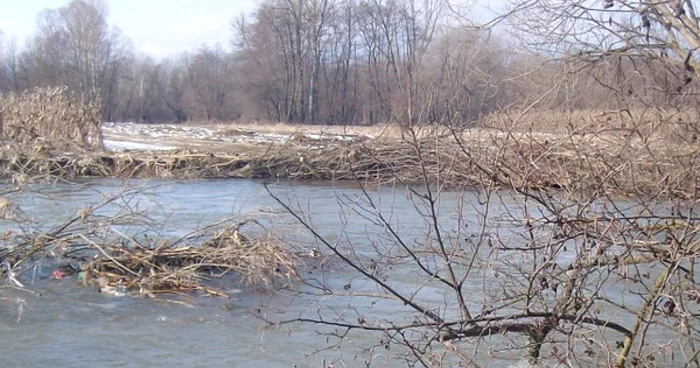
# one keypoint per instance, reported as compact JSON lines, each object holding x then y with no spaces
{"x":158,"y":137}
{"x":121,"y":146}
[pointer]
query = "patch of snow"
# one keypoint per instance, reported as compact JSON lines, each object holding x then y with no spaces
{"x":269,"y":138}
{"x":121,"y":146}
{"x":208,"y":134}
{"x":335,"y":137}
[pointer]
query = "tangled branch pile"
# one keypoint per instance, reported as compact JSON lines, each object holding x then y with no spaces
{"x":166,"y":268}
{"x":648,"y":151}
{"x":71,"y":164}
{"x":465,"y":158}
{"x":601,"y":163}
{"x":53,"y":117}
{"x":453,"y":158}
{"x":93,"y":247}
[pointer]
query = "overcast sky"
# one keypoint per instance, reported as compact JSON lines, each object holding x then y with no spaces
{"x":156,"y":27}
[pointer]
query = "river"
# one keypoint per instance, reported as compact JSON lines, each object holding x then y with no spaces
{"x":62,"y":323}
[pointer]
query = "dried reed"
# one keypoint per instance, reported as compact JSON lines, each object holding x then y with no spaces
{"x":50,"y":116}
{"x":671,"y":126}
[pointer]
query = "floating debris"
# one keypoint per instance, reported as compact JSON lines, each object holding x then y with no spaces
{"x":94,"y":253}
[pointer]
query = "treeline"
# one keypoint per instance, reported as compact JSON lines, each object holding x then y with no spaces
{"x":315,"y":61}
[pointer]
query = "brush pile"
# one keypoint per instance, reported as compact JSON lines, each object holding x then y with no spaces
{"x":604,"y":164}
{"x":451,"y":159}
{"x":151,"y":269}
{"x":135,"y":260}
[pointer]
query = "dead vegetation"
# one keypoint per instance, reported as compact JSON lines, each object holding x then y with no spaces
{"x":49,"y":134}
{"x":672,"y":125}
{"x":52,"y":117}
{"x":141,"y":263}
{"x":388,"y":131}
{"x":150,"y":269}
{"x":447,"y":157}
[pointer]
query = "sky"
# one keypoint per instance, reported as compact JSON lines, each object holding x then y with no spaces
{"x":159,"y":28}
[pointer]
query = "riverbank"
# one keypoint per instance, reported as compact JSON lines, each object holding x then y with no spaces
{"x":187,"y":152}
{"x":434,"y":155}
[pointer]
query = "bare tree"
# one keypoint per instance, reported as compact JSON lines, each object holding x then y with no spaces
{"x":292,"y":31}
{"x":562,"y":250}
{"x":665,"y":33}
{"x":16,"y":79}
{"x":209,"y":75}
{"x":75,"y":47}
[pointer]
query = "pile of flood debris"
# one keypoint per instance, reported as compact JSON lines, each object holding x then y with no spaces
{"x":364,"y":161}
{"x":93,"y":249}
{"x":150,"y":268}
{"x":459,"y":161}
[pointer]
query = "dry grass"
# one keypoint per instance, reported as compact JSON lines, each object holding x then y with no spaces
{"x":50,"y":116}
{"x":387,"y":131}
{"x":676,"y":126}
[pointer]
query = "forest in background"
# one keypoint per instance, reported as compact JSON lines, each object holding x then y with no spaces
{"x":350,"y":62}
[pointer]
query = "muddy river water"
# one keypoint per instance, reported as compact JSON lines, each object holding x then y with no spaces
{"x":65,"y":324}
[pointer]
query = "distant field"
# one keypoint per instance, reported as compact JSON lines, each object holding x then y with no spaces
{"x":217,"y":137}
